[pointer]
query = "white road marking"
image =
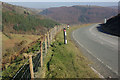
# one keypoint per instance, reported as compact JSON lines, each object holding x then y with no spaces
{"x":92,"y":54}
{"x":109,"y":67}
{"x":97,"y":72}
{"x":100,"y":36}
{"x":99,"y":59}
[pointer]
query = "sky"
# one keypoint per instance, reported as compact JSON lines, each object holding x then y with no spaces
{"x":39,"y":4}
{"x":60,"y":0}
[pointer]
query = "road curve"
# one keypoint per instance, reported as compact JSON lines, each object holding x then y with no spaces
{"x":101,"y":46}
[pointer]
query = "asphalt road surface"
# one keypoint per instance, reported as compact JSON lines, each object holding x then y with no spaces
{"x":101,"y":46}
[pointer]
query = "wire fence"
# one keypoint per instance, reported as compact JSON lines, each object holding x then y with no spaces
{"x":36,"y":62}
{"x":24,"y":71}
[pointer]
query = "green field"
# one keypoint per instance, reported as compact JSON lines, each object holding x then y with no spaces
{"x":66,"y":61}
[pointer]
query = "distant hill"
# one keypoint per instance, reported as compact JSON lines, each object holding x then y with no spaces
{"x":17,"y":19}
{"x":79,"y":14}
{"x":114,"y":7}
{"x":112,"y":26}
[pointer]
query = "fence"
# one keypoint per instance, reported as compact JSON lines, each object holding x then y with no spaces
{"x":36,"y":61}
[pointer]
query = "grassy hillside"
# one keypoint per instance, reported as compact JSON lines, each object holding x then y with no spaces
{"x":21,"y":28}
{"x":79,"y":14}
{"x":112,"y":26}
{"x":11,"y":42}
{"x":16,"y":19}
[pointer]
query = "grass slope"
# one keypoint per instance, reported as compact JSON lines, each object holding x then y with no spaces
{"x":67,"y":61}
{"x":17,"y":23}
{"x":23,"y":21}
{"x":11,"y":44}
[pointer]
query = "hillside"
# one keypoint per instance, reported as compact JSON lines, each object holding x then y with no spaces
{"x":21,"y":27}
{"x":112,"y":26}
{"x":79,"y":14}
{"x":22,"y":20}
{"x":114,"y":7}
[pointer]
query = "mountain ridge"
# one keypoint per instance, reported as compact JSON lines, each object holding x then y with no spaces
{"x":79,"y":14}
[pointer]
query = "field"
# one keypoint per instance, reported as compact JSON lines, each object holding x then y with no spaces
{"x":9,"y":40}
{"x":66,"y":61}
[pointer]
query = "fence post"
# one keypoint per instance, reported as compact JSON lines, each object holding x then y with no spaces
{"x":59,"y":28}
{"x":48,"y":39}
{"x":55,"y":31}
{"x":41,"y":57}
{"x":45,"y":44}
{"x":31,"y":67}
{"x":51,"y":36}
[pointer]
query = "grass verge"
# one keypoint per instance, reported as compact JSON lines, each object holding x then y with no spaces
{"x":67,"y":61}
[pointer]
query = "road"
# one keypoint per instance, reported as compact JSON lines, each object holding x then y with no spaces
{"x":101,"y":46}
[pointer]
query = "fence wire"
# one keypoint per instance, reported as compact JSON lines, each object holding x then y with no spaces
{"x":36,"y":62}
{"x":23,"y":73}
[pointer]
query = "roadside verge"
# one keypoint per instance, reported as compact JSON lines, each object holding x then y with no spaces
{"x":67,"y":61}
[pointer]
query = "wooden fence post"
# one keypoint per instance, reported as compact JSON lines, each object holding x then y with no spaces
{"x":51,"y":36}
{"x":31,"y":67}
{"x":45,"y":44}
{"x":59,"y":28}
{"x":55,"y":31}
{"x":41,"y":57}
{"x":48,"y":39}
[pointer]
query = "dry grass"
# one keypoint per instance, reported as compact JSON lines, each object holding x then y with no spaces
{"x":16,"y":38}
